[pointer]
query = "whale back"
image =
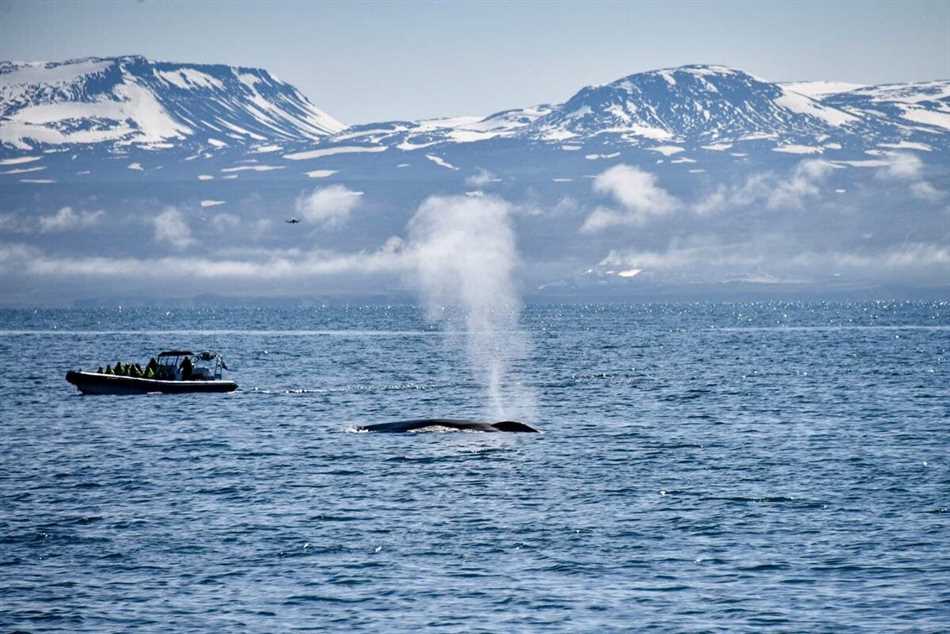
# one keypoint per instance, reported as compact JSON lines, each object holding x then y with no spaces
{"x":461,"y":425}
{"x":513,"y":426}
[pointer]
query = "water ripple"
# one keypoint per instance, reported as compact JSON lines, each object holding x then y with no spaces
{"x":704,"y":467}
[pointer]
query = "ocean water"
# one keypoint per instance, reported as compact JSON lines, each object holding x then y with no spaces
{"x":703,"y":467}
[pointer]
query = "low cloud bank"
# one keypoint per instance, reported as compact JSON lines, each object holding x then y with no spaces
{"x":481,"y":178}
{"x":266,"y":265}
{"x":800,"y":223}
{"x":328,"y":206}
{"x":172,"y":228}
{"x":774,"y":258}
{"x":802,"y":185}
{"x":908,"y":168}
{"x":66,"y":220}
{"x":638,"y":193}
{"x":641,"y":199}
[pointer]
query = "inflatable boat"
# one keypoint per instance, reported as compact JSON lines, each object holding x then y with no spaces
{"x":172,"y":372}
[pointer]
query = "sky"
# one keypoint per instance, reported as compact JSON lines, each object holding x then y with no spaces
{"x":377,"y":61}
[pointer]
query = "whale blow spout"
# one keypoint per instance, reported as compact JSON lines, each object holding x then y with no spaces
{"x":442,"y":424}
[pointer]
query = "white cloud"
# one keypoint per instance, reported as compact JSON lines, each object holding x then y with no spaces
{"x":642,"y":199}
{"x":390,"y":258}
{"x":66,"y":220}
{"x":903,"y":166}
{"x":481,"y":178}
{"x":13,"y":257}
{"x":756,"y":187}
{"x":803,"y":183}
{"x":925,"y":191}
{"x":638,"y":193}
{"x":774,"y":258}
{"x":261,"y":227}
{"x":603,"y":217}
{"x":564,"y":206}
{"x":715,"y":202}
{"x":330,"y":206}
{"x":774,"y":191}
{"x":225,"y":221}
{"x":11,"y":223}
{"x":171,"y":227}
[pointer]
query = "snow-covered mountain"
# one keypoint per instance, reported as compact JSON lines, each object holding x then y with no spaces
{"x":922,"y":107}
{"x":133,"y":100}
{"x":693,"y":103}
{"x":132,"y":119}
{"x":414,"y":135}
{"x":697,"y":106}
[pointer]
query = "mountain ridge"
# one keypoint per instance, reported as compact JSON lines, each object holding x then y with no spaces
{"x":132,"y":99}
{"x":708,"y":103}
{"x":131,"y":118}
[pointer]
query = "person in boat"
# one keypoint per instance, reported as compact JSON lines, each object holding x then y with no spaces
{"x":99,"y":371}
{"x":117,"y":370}
{"x":151,"y":369}
{"x":186,"y":369}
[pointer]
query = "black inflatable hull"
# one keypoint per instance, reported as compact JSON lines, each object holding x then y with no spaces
{"x":95,"y":383}
{"x":449,"y":423}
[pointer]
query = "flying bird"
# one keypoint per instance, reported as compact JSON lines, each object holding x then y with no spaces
{"x":292,"y":221}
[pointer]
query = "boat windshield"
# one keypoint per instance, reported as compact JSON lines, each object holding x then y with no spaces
{"x":175,"y":354}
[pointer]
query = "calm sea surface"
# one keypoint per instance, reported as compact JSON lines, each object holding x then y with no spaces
{"x":703,"y":467}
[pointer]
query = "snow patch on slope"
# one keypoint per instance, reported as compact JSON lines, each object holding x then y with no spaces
{"x":19,"y":160}
{"x":793,"y":148}
{"x":805,"y":105}
{"x":345,"y":149}
{"x":441,"y":162}
{"x":188,"y":78}
{"x":820,"y":89}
